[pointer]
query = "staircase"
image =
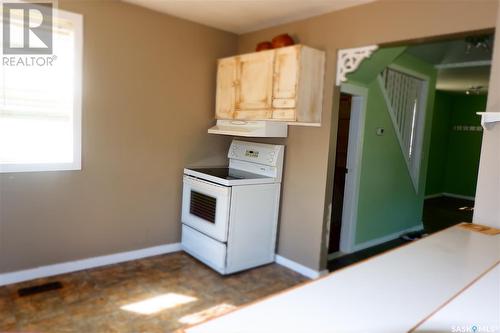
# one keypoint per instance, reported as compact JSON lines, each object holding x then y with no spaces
{"x":405,"y":96}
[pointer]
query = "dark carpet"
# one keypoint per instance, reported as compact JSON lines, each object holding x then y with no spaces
{"x":439,"y":213}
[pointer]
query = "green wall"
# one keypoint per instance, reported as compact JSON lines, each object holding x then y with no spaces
{"x":454,"y":154}
{"x":387,"y":201}
{"x":441,"y":123}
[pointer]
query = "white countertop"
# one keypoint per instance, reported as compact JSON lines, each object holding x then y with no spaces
{"x":478,"y":306}
{"x":393,"y":292}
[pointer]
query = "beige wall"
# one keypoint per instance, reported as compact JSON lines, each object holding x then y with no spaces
{"x":310,"y":151}
{"x":487,"y":208}
{"x":149,"y":82}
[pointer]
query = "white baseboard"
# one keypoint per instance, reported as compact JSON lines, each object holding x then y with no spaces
{"x":301,"y":269}
{"x":459,"y":196}
{"x":334,"y":255}
{"x":78,"y":265}
{"x":432,"y":196}
{"x":451,"y":195}
{"x":377,"y":241}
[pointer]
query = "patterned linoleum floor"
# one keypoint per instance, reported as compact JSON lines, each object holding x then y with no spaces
{"x":108,"y":299}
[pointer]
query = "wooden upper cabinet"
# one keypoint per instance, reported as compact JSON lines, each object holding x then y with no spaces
{"x":226,"y":82}
{"x":286,"y":74}
{"x":284,"y":84}
{"x":254,"y":81}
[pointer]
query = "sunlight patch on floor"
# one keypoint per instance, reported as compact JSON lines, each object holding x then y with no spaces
{"x":214,"y":311}
{"x":158,"y":303}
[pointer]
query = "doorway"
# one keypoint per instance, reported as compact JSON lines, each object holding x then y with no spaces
{"x":340,"y":171}
{"x":392,"y":209}
{"x":463,"y":69}
{"x":453,"y":166}
{"x":352,"y":107}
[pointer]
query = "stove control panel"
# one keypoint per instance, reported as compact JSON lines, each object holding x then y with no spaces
{"x":256,"y":152}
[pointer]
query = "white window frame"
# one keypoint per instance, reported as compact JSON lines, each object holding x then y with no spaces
{"x":77,"y":20}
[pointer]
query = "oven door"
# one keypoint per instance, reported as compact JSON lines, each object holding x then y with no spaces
{"x":205,"y":207}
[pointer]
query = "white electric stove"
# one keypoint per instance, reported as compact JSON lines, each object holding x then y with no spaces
{"x":230,"y":214}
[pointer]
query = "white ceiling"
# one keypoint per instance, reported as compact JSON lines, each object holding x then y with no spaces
{"x":474,"y":71}
{"x":241,"y":16}
{"x":462,"y":79}
{"x":450,"y":51}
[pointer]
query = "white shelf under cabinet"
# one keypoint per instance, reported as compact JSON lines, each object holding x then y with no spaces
{"x":488,"y":119}
{"x":256,"y":128}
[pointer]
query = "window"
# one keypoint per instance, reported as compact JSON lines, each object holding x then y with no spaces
{"x":40,"y":100}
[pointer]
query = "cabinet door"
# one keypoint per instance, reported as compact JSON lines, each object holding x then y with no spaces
{"x":254,"y":85}
{"x":286,"y":77}
{"x":226,"y":88}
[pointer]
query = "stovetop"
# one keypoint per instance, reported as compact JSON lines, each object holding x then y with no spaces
{"x":228,"y":176}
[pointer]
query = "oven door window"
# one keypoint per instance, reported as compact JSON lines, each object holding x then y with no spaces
{"x":203,"y":206}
